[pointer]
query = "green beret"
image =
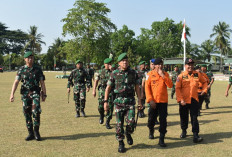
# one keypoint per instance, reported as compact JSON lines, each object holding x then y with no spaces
{"x":176,"y":66}
{"x":78,"y":61}
{"x":204,"y":65}
{"x":113,"y":66}
{"x":122,"y":56}
{"x":27,"y":54}
{"x":142,"y":62}
{"x":107,"y":60}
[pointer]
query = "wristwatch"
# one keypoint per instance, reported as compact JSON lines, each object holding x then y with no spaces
{"x":105,"y":101}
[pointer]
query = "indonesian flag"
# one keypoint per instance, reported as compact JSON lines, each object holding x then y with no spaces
{"x":183,"y":38}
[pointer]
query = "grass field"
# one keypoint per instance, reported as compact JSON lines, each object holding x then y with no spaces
{"x":64,"y":135}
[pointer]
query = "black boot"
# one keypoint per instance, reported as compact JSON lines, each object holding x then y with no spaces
{"x":121,"y":147}
{"x":140,"y":114}
{"x":197,"y":138}
{"x":30,"y":135}
{"x":101,"y":120}
{"x":108,"y":124}
{"x":151,"y":133}
{"x":36,"y":132}
{"x":78,"y":114}
{"x":161,"y":140}
{"x":183,"y":134}
{"x":83,"y":113}
{"x":207,"y":106}
{"x":129,"y":139}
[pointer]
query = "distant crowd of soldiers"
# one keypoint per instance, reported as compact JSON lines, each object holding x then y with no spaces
{"x":117,"y":85}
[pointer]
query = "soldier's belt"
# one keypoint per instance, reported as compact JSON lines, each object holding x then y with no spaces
{"x":124,"y":95}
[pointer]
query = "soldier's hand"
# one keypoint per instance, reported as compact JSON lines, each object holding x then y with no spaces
{"x":153,"y":104}
{"x":106,"y":106}
{"x":94,"y":93}
{"x":68,"y":90}
{"x":87,"y":89}
{"x":160,"y":72}
{"x":226,"y":94}
{"x":183,"y":103}
{"x":12,"y":98}
{"x":43,"y":98}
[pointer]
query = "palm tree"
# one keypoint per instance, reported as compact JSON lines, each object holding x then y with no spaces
{"x":35,"y":40}
{"x":207,"y":48}
{"x":222,"y":33}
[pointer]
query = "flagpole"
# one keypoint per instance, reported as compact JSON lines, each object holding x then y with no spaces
{"x":184,"y":54}
{"x":184,"y":40}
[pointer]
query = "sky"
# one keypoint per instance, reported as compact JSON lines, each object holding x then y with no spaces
{"x":200,"y":15}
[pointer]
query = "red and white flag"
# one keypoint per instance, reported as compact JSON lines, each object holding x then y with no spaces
{"x":183,"y":38}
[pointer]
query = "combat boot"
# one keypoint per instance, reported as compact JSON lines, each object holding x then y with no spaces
{"x":121,"y":147}
{"x":197,"y":138}
{"x":151,"y":133}
{"x":161,"y":140}
{"x":36,"y":132}
{"x":78,"y":114}
{"x":129,"y":139}
{"x":83,"y":113}
{"x":108,"y":124}
{"x":207,"y":106}
{"x":101,"y":120}
{"x":183,"y":134}
{"x":30,"y":135}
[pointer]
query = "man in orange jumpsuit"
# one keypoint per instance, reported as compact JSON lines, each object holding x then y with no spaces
{"x":156,"y":85}
{"x":187,"y":96}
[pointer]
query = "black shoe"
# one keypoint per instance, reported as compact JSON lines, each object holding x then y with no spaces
{"x":30,"y":135}
{"x":101,"y":120}
{"x":140,"y":114}
{"x":108,"y":124}
{"x":83,"y":113}
{"x":151,"y":133}
{"x":36,"y":132}
{"x":196,"y":138}
{"x":121,"y":147}
{"x":161,"y":141}
{"x":129,"y":139}
{"x":78,"y":114}
{"x":207,"y":106}
{"x":183,"y":134}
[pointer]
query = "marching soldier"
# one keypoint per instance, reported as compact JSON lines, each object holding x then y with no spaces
{"x":228,"y":87}
{"x":81,"y":79}
{"x":174,"y":76}
{"x":187,"y":96}
{"x":32,"y":79}
{"x":141,"y":74}
{"x":90,"y":72}
{"x":126,"y":82}
{"x":156,"y":85}
{"x":103,"y":76}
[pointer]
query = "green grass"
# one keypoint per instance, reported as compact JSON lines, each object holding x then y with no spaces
{"x":65,"y":135}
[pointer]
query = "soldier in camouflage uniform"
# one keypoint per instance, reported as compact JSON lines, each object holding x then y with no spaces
{"x":103,"y":76}
{"x":141,"y":75}
{"x":211,"y":80}
{"x":31,"y":77}
{"x":81,"y":79}
{"x":174,"y":76}
{"x":125,"y":81}
{"x":229,"y":85}
{"x":90,"y":73}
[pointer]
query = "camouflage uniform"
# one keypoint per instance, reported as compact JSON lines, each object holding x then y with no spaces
{"x":81,"y":78}
{"x":141,"y":75}
{"x":208,"y":95}
{"x":30,"y":91}
{"x":174,"y":76}
{"x":124,"y":83}
{"x":104,"y":75}
{"x":91,"y":75}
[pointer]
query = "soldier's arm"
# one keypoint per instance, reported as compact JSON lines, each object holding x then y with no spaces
{"x":167,"y":80}
{"x":70,"y":83}
{"x":107,"y":92}
{"x":203,"y":80}
{"x":137,"y":90}
{"x":227,"y":90}
{"x":94,"y":87}
{"x":43,"y":92}
{"x":179,"y":95}
{"x":14,"y":87}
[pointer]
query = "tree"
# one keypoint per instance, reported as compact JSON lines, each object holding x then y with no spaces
{"x":222,"y":33}
{"x":207,"y":47}
{"x":87,"y":23}
{"x":35,"y":40}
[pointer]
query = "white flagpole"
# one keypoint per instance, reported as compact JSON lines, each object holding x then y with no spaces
{"x":184,"y":45}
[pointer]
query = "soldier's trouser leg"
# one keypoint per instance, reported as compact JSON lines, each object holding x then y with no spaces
{"x":184,"y":116}
{"x":77,"y":101}
{"x":36,"y":111}
{"x":130,"y":119}
{"x":151,"y":117}
{"x":101,"y":107}
{"x":27,"y":111}
{"x":207,"y":98}
{"x":194,"y":106}
{"x":201,"y":99}
{"x":110,"y":111}
{"x":162,"y":110}
{"x":173,"y":90}
{"x":82,"y":98}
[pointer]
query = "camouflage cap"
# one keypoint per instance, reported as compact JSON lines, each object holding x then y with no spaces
{"x":122,"y":56}
{"x":142,"y":62}
{"x":27,"y":54}
{"x":78,"y":61}
{"x":107,"y":60}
